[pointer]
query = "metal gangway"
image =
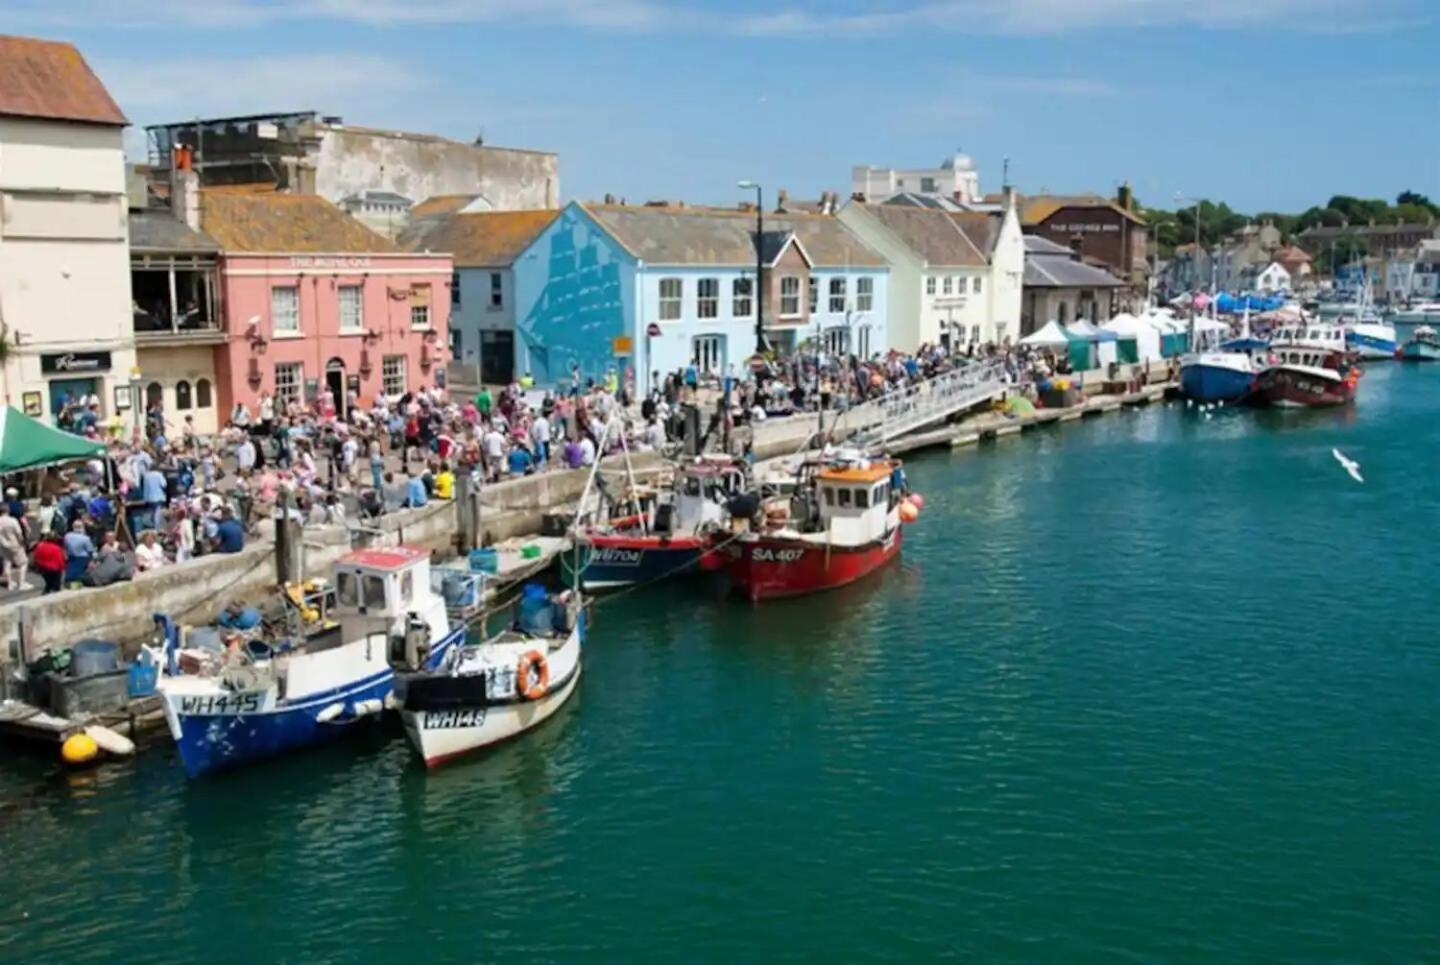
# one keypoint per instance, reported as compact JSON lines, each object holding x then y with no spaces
{"x":915,"y":407}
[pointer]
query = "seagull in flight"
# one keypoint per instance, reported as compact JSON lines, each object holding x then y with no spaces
{"x":1351,"y":466}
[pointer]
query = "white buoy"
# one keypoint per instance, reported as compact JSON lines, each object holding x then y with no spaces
{"x":364,"y":708}
{"x":109,"y":741}
{"x":329,"y":713}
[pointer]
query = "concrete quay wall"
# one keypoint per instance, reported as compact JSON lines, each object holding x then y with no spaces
{"x":196,"y":590}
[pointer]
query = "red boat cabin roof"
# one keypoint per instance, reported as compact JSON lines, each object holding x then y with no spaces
{"x":385,"y":558}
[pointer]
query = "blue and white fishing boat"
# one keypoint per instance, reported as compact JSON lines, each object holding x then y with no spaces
{"x":249,"y":699}
{"x":1216,"y":371}
{"x":1423,"y":346}
{"x":1366,"y":333}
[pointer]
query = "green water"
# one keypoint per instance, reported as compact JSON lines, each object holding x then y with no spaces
{"x":1146,"y":687}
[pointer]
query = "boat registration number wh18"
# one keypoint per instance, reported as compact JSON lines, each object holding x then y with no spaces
{"x":448,"y":719}
{"x":223,"y":704}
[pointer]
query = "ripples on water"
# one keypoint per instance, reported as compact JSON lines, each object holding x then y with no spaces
{"x":1148,"y":686}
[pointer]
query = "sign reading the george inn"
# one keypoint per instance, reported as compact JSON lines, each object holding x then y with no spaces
{"x":74,"y":363}
{"x":312,"y":261}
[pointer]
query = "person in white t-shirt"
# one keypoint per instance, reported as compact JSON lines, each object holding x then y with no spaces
{"x":587,"y":451}
{"x":149,"y":554}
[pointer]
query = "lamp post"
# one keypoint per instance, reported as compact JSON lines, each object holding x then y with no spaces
{"x":759,"y":259}
{"x":135,"y":397}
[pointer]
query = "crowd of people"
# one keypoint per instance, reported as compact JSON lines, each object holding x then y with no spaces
{"x":164,"y":493}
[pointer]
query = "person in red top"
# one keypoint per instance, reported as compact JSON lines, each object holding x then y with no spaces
{"x":49,"y":558}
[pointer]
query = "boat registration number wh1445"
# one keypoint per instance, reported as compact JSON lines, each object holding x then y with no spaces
{"x":449,"y":719}
{"x":223,"y":704}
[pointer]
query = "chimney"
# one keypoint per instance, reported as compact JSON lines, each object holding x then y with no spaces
{"x":1125,"y":197}
{"x":184,"y":188}
{"x":781,"y":199}
{"x":609,"y":198}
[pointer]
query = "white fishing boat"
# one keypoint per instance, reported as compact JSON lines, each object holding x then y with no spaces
{"x":1420,"y":313}
{"x":488,"y":692}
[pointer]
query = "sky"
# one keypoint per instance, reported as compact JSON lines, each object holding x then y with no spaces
{"x":1265,"y":104}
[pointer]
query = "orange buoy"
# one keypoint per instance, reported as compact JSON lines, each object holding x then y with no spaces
{"x":908,"y":513}
{"x":917,"y":500}
{"x":532,"y":675}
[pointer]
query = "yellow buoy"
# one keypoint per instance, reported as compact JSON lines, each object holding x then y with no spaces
{"x":79,"y":749}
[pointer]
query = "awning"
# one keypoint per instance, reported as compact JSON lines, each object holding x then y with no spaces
{"x":26,"y":443}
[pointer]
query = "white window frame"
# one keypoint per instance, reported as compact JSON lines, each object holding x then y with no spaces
{"x":790,"y":296}
{"x":497,"y":291}
{"x":289,"y":382}
{"x":975,"y":334}
{"x":672,"y":304}
{"x":352,"y":317}
{"x":814,"y":289}
{"x":392,"y":375}
{"x":976,"y":285}
{"x":838,"y":288}
{"x":285,"y":318}
{"x":865,"y":294}
{"x":741,"y":293}
{"x":949,"y":285}
{"x":930,"y":284}
{"x":863,"y":348}
{"x":708,"y":353}
{"x":420,"y":322}
{"x":455,"y":288}
{"x":707,"y":298}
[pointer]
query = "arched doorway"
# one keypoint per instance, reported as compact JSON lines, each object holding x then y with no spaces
{"x":335,"y":382}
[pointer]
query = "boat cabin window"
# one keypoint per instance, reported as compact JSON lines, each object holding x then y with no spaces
{"x":844,"y":498}
{"x":375,"y":591}
{"x":407,"y":587}
{"x":692,"y":486}
{"x":347,"y":589}
{"x":829,"y":496}
{"x":862,"y":499}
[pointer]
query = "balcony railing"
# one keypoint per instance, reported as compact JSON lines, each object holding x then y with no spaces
{"x":150,"y":328}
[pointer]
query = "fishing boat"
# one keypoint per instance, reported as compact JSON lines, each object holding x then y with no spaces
{"x":1219,"y":371}
{"x":1423,"y":346}
{"x":666,"y":533}
{"x":232,"y":698}
{"x":1421,"y":313}
{"x":1309,"y":366}
{"x":841,"y":523}
{"x":1366,"y":333}
{"x":488,"y":692}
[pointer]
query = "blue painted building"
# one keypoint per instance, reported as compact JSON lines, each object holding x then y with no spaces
{"x":650,"y":289}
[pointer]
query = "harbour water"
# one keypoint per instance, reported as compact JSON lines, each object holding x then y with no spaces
{"x":1149,"y":686}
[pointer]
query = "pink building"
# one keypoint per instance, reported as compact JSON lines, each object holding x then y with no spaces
{"x":313,"y":299}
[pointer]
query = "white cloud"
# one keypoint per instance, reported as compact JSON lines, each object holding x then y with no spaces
{"x":1054,"y":16}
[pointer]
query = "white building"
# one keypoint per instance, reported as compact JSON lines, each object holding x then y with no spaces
{"x":1271,"y":279}
{"x":482,"y":293}
{"x":65,"y":302}
{"x":955,"y":179}
{"x":955,"y":277}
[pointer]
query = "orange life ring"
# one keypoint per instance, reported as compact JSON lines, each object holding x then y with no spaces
{"x":532,"y":659}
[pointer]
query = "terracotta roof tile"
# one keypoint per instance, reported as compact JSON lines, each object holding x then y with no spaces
{"x":490,"y":238}
{"x":49,"y":79}
{"x":441,"y":204}
{"x":1036,"y":209}
{"x":285,"y":223}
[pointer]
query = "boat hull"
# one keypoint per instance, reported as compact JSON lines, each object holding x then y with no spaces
{"x":215,"y":732}
{"x":1206,"y":382}
{"x":1287,"y":387}
{"x":441,"y":736}
{"x":770,"y":568}
{"x":612,"y":562}
{"x":1420,"y":352}
{"x":1372,"y":341}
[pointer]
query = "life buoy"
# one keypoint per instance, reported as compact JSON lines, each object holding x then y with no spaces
{"x":532,"y":660}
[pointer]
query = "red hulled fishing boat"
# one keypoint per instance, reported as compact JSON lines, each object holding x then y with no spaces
{"x":1309,"y":366}
{"x":842,"y":522}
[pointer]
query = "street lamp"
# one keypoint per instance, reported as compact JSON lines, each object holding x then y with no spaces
{"x":135,"y":382}
{"x":759,"y":259}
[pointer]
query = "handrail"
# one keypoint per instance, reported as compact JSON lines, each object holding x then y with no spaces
{"x":915,"y":406}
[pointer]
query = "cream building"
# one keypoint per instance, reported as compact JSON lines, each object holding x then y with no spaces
{"x":65,"y":307}
{"x":955,"y":276}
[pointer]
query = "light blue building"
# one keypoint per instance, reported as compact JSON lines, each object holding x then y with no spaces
{"x":650,"y":289}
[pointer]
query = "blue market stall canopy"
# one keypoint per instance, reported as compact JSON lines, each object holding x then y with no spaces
{"x":1232,"y":305}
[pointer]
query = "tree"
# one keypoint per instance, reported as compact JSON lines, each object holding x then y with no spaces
{"x":1419,"y":200}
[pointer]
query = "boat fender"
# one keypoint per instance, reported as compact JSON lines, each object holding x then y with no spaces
{"x":329,"y":713}
{"x":391,"y":702}
{"x":109,"y":741}
{"x":364,"y":708}
{"x":530,"y":687}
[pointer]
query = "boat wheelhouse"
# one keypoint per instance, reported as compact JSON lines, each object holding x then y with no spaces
{"x":1309,"y":366}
